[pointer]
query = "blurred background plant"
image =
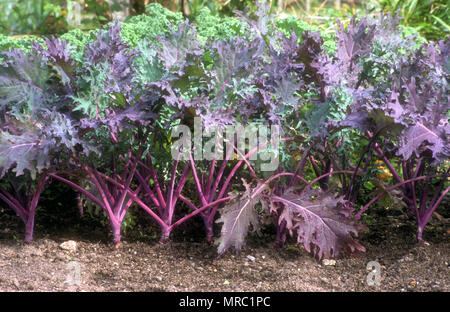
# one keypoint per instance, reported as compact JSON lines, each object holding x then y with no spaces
{"x":43,"y":17}
{"x":430,"y":18}
{"x":32,"y":17}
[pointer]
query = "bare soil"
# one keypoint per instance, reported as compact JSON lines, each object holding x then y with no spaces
{"x":187,"y":263}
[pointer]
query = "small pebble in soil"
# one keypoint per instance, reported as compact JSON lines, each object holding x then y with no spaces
{"x":412,"y":284}
{"x":70,"y":246}
{"x":251,"y":258}
{"x":329,"y":262}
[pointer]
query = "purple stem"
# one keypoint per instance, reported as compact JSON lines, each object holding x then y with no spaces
{"x":183,"y":179}
{"x":147,"y":209}
{"x":386,"y":161}
{"x":418,"y":167}
{"x":199,"y":210}
{"x":300,"y":166}
{"x":411,"y":190}
{"x":314,"y":164}
{"x":155,"y":180}
{"x":109,"y":198}
{"x":358,"y":215}
{"x":424,"y":199}
{"x":118,"y":209}
{"x":103,"y":195}
{"x":170,"y":205}
{"x":227,"y":181}
{"x":197,"y":181}
{"x":18,"y":194}
{"x":323,"y":176}
{"x":211,"y":175}
{"x":79,"y":189}
{"x":121,"y":200}
{"x":129,"y":203}
{"x":212,"y":191}
{"x":244,"y":158}
{"x":29,"y":226}
{"x":10,"y":197}
{"x":14,"y":204}
{"x":436,"y":193}
{"x":352,"y":183}
{"x":148,"y":190}
{"x":165,"y":209}
{"x":236,"y":167}
{"x":422,"y":223}
{"x":188,"y":202}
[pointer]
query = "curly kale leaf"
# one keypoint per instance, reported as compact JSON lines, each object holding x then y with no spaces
{"x":59,"y":57}
{"x":23,"y":82}
{"x":237,"y":218}
{"x":322,"y":222}
{"x":180,"y":48}
{"x":38,"y":144}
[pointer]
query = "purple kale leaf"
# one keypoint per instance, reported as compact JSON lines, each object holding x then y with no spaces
{"x":221,"y":92}
{"x":401,"y":90}
{"x":58,"y":55}
{"x":280,"y":81}
{"x":110,"y":55}
{"x":180,"y":49}
{"x":238,"y":216}
{"x":444,"y":56}
{"x":419,"y":102}
{"x":20,"y":151}
{"x":234,"y":59}
{"x":309,"y":53}
{"x":231,"y":79}
{"x":27,"y":80}
{"x":118,"y":120}
{"x":261,"y":23}
{"x":108,"y":44}
{"x":434,"y":139}
{"x":429,"y":127}
{"x":23,"y":81}
{"x":353,"y":43}
{"x":38,"y":144}
{"x":322,"y":222}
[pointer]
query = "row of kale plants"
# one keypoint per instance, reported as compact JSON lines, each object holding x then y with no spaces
{"x":102,"y":123}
